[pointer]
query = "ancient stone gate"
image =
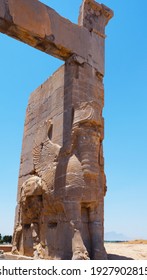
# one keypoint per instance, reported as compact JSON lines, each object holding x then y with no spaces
{"x":62,"y":183}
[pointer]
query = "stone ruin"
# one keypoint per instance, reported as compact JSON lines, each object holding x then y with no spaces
{"x":62,"y":184}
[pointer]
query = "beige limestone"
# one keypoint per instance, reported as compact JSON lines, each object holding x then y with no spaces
{"x":62,"y":184}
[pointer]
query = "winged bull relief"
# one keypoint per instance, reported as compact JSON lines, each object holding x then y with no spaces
{"x":64,"y":193}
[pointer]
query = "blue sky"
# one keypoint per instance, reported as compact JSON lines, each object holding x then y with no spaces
{"x":23,"y":69}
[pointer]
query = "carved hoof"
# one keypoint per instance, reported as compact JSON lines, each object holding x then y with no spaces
{"x":15,"y":251}
{"x":78,"y":248}
{"x":80,"y":256}
{"x":39,"y":252}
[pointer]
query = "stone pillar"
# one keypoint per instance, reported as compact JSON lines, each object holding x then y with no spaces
{"x":62,"y":184}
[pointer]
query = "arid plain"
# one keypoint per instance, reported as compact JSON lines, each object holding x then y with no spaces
{"x":132,"y":250}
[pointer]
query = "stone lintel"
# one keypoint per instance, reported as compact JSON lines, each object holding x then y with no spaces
{"x":41,"y":27}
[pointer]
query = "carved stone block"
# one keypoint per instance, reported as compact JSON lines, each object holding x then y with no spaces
{"x":62,"y":184}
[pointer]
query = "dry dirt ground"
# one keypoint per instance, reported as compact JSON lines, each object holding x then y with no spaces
{"x":136,"y":250}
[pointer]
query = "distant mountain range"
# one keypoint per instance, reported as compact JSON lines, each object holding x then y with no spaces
{"x":114,"y":236}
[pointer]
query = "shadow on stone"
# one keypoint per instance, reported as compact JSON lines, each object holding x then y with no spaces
{"x":118,"y":257}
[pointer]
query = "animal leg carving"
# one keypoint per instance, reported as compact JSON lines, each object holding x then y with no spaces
{"x":73,"y":214}
{"x":96,"y":229}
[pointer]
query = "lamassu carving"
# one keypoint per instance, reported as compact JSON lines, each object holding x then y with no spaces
{"x":62,"y":184}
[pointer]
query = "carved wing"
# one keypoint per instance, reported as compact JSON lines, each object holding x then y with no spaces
{"x":45,"y":154}
{"x":88,"y":112}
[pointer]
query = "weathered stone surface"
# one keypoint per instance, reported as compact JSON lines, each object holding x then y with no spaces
{"x":2,"y":9}
{"x":94,"y":16}
{"x":61,"y":201}
{"x":61,"y":188}
{"x":41,"y":27}
{"x":78,"y":248}
{"x":30,"y":15}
